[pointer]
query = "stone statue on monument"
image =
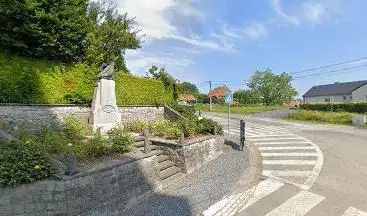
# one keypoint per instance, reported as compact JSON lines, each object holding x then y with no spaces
{"x":104,"y":114}
{"x":107,"y":71}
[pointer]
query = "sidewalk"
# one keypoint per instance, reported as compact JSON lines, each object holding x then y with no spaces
{"x":234,"y":171}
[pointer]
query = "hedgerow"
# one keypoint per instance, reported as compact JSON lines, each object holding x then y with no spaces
{"x":337,"y":107}
{"x":27,"y":80}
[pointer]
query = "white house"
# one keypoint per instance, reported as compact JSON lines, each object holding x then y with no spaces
{"x":337,"y":93}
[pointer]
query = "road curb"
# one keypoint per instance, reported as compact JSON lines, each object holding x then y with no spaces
{"x":252,"y":174}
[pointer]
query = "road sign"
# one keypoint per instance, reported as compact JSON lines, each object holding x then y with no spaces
{"x":228,"y":97}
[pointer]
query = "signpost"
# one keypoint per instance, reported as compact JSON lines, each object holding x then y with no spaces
{"x":228,"y":99}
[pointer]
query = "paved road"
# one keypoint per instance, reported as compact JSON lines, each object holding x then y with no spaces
{"x":308,"y":170}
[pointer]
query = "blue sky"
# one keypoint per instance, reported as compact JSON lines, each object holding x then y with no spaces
{"x":200,"y":40}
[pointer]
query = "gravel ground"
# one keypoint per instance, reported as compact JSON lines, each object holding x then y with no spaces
{"x":199,"y":190}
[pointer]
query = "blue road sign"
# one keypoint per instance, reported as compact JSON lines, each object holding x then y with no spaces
{"x":228,"y":97}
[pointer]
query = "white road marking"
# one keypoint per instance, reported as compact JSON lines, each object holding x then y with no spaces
{"x":354,"y":212}
{"x":289,"y":162}
{"x":288,"y":154}
{"x":297,"y":205}
{"x":289,"y":173}
{"x":286,"y":148}
{"x":232,"y":204}
{"x":275,"y":138}
{"x":281,"y":143}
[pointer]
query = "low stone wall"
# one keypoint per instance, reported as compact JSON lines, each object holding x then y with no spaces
{"x":105,"y":191}
{"x":35,"y":118}
{"x":193,"y":154}
{"x":139,"y":113}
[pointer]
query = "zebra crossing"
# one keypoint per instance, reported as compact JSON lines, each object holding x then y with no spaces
{"x":286,"y":157}
{"x":299,"y":204}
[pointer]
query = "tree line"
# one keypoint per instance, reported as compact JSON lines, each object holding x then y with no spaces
{"x":67,"y":31}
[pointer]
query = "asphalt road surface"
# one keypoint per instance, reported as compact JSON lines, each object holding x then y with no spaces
{"x":307,"y":169}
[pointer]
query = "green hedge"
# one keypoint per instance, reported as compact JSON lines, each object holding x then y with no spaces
{"x":337,"y":107}
{"x":26,"y":80}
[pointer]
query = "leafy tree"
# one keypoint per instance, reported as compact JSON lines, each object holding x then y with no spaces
{"x":168,"y":80}
{"x":58,"y":29}
{"x":270,"y":88}
{"x":190,"y":88}
{"x":110,"y":34}
{"x":14,"y":28}
{"x":245,"y":97}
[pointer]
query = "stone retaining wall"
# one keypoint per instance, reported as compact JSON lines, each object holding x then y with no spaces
{"x":105,"y":191}
{"x":35,"y":118}
{"x":193,"y":154}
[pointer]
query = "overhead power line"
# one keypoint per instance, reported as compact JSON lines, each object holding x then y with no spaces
{"x":329,"y":66}
{"x":332,"y":71}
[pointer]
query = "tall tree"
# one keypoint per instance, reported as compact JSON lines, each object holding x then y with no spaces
{"x":58,"y":29}
{"x":190,"y":88}
{"x":110,"y":34}
{"x":270,"y":88}
{"x":14,"y":31}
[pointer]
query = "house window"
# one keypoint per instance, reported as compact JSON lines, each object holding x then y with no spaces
{"x":345,"y":98}
{"x":327,"y":99}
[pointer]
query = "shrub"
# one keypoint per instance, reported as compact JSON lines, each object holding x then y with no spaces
{"x":186,"y":111}
{"x":20,"y":164}
{"x":189,"y":127}
{"x":53,"y":142}
{"x":121,"y":140}
{"x":158,"y":127}
{"x":208,"y":125}
{"x":96,"y":147}
{"x":75,"y":130}
{"x":338,"y":107}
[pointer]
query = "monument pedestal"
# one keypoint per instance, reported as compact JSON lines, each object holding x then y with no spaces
{"x":104,"y":114}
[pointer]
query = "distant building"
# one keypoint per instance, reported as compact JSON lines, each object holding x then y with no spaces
{"x":187,"y":98}
{"x":337,"y":93}
{"x":219,"y":92}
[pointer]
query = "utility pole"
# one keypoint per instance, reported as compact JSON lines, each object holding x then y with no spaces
{"x":210,"y":96}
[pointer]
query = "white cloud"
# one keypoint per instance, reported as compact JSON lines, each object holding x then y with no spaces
{"x":139,"y":62}
{"x":255,"y":31}
{"x":315,"y":12}
{"x":277,"y":7}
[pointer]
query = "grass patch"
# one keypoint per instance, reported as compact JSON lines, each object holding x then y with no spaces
{"x":237,"y":109}
{"x":343,"y":118}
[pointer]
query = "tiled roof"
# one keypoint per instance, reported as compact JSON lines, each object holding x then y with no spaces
{"x":334,"y":89}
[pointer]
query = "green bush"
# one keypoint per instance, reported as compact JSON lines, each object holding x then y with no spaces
{"x":96,"y":147}
{"x":20,"y":164}
{"x":190,"y":127}
{"x":187,"y":111}
{"x":75,"y":130}
{"x":320,"y":116}
{"x":121,"y":140}
{"x":158,"y":127}
{"x":337,"y":107}
{"x":208,"y":125}
{"x":52,"y":142}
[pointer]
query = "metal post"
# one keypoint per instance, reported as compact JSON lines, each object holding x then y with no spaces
{"x":146,"y":141}
{"x":243,"y":133}
{"x":210,"y":96}
{"x":229,"y":117}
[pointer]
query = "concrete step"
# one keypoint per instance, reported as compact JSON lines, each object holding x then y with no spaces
{"x":172,"y":179}
{"x":165,"y":165}
{"x":164,"y":174}
{"x":162,"y":158}
{"x":156,"y":152}
{"x":152,"y":147}
{"x":138,"y":144}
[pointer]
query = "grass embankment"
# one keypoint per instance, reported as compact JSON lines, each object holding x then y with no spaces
{"x":29,"y":80}
{"x":343,"y":118}
{"x":237,"y":109}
